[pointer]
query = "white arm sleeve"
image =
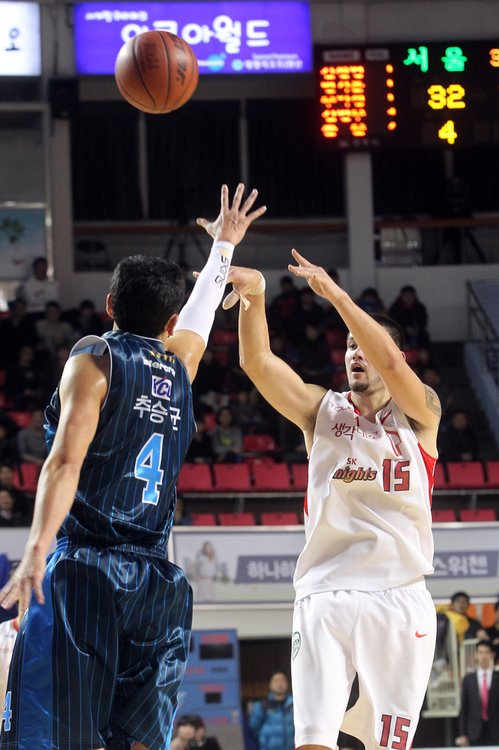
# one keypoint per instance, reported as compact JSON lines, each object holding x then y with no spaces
{"x":198,"y":313}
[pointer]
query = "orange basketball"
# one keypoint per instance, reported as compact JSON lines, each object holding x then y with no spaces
{"x":156,"y":72}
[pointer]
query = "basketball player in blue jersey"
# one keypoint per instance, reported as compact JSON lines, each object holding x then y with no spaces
{"x":362,"y":606}
{"x":101,"y":653}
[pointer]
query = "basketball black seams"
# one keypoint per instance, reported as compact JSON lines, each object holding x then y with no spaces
{"x":167,"y":58}
{"x":139,"y":72}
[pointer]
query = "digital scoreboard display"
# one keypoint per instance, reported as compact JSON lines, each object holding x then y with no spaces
{"x":417,"y":94}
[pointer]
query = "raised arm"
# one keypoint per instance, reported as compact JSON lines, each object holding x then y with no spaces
{"x":193,"y":328}
{"x":82,"y":391}
{"x":274,"y":379}
{"x":419,"y":402}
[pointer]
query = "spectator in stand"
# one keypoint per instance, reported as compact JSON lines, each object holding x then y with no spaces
{"x":458,"y":442}
{"x":210,"y":378}
{"x":227,"y":438}
{"x":39,"y":289}
{"x":308,"y":313}
{"x":411,"y":314}
{"x":31,"y":441}
{"x":201,"y":448}
{"x":370,"y":301}
{"x":180,"y":516}
{"x":10,"y":515}
{"x":248,"y":411}
{"x":493,"y":633}
{"x":22,"y":504}
{"x":184,"y":734}
{"x":283,"y":304}
{"x":466,"y":627}
{"x":314,"y":364}
{"x":8,"y":446}
{"x":479,"y":715}
{"x":16,"y":331}
{"x":26,"y":382}
{"x":201,"y":741}
{"x":271,"y":719}
{"x":54,"y":332}
{"x":430,"y":376}
{"x":84,"y":320}
{"x":57,"y":367}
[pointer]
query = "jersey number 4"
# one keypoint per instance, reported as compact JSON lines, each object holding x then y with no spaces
{"x":148,"y":468}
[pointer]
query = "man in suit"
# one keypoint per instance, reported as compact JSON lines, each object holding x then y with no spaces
{"x":479,"y":716}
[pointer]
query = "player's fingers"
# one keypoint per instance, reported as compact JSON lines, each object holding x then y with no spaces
{"x":249,"y":201}
{"x":300,"y":258}
{"x":38,"y":589}
{"x":202,"y":222}
{"x":256,"y":213}
{"x":196,"y":274}
{"x":231,"y":299}
{"x":224,"y":199}
{"x":9,"y":595}
{"x":238,"y":195}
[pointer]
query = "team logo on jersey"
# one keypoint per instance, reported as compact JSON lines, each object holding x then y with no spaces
{"x":161,"y":387}
{"x":355,"y":475}
{"x":296,"y":643}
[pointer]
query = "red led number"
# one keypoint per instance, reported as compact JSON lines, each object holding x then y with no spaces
{"x":400,"y":733}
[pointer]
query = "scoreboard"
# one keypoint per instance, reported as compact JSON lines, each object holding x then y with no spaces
{"x":417,"y":94}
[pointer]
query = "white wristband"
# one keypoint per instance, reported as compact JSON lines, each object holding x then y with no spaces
{"x":198,"y":313}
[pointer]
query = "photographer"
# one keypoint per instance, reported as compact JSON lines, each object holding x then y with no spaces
{"x":190,"y":734}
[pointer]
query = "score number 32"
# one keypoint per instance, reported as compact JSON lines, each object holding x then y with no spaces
{"x":451,"y":97}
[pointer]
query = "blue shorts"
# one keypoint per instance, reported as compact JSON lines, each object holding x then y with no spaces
{"x":101,"y":662}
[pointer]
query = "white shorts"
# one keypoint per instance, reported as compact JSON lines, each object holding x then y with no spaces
{"x":388,"y":639}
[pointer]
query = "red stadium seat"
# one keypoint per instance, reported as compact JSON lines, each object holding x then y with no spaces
{"x":203,"y":519}
{"x":477,"y":514}
{"x":223,"y":338}
{"x":26,"y":477}
{"x":195,"y":478}
{"x":440,"y":478}
{"x":271,"y":477}
{"x":232,"y":477}
{"x":286,"y":518}
{"x":411,"y":356}
{"x":20,"y":418}
{"x":299,"y":472}
{"x":465,"y":475}
{"x":492,"y":473}
{"x":259,"y":443}
{"x":443,"y":516}
{"x":337,"y":357}
{"x":236,"y":519}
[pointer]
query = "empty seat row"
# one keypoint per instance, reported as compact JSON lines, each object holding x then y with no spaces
{"x":467,"y":475}
{"x":284,"y":518}
{"x":448,"y":515}
{"x":262,"y":477}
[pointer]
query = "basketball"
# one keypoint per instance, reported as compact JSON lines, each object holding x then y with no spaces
{"x":156,"y":72}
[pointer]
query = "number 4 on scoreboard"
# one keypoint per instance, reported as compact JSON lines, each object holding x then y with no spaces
{"x":448,"y":132}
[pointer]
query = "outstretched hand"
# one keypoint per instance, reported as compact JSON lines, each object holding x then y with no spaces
{"x":318,"y":279}
{"x":233,"y":221}
{"x":27,"y":577}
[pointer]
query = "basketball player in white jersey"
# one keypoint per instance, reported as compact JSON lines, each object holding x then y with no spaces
{"x":361,"y":601}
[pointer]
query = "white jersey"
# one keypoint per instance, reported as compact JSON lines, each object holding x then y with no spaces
{"x":368,"y":506}
{"x":8,"y":635}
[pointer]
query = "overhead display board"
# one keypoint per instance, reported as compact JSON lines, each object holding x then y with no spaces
{"x":20,"y":48}
{"x":416,"y":94}
{"x":226,"y":37}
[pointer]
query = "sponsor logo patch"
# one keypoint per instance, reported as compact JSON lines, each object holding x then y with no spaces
{"x":161,"y":387}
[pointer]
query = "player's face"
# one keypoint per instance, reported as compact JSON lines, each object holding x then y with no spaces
{"x":362,"y":377}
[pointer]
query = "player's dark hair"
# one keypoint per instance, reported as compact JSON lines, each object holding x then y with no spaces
{"x":146,"y":291}
{"x":392,"y":327}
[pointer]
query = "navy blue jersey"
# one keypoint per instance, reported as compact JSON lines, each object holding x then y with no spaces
{"x":126,"y":494}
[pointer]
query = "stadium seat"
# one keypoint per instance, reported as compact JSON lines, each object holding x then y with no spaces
{"x":195,"y":478}
{"x":492,"y":474}
{"x":465,"y":475}
{"x":299,"y":473}
{"x":440,"y":479}
{"x":259,"y":443}
{"x":477,"y":514}
{"x":443,"y":516}
{"x":286,"y":518}
{"x":203,"y":519}
{"x":20,"y":418}
{"x":337,"y":357}
{"x":411,"y":356}
{"x":271,"y":477}
{"x":25,"y":478}
{"x":236,"y":519}
{"x":232,"y":477}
